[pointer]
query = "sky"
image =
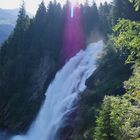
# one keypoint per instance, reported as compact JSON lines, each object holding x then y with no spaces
{"x":32,"y":5}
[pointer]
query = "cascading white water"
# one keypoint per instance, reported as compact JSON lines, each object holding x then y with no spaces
{"x":62,"y":93}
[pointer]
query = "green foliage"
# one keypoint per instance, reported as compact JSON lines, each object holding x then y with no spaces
{"x":119,"y":119}
{"x":127,"y":38}
{"x":103,"y":129}
{"x":133,"y":84}
{"x":122,"y":114}
{"x":136,"y":4}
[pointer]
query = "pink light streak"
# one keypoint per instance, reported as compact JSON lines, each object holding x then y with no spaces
{"x":73,"y":34}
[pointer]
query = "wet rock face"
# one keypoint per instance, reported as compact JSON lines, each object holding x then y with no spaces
{"x":66,"y":132}
{"x":67,"y":128}
{"x":4,"y":136}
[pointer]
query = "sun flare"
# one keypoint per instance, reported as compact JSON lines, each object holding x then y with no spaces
{"x":74,"y":2}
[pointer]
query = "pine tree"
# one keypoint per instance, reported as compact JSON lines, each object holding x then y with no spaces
{"x":34,"y":44}
{"x":55,"y":28}
{"x":105,"y":19}
{"x":40,"y":17}
{"x":117,"y":11}
{"x":124,"y":9}
{"x":103,"y":130}
{"x":90,"y":18}
{"x":16,"y":40}
{"x":22,"y":21}
{"x":94,"y":15}
{"x":36,"y":35}
{"x":86,"y":12}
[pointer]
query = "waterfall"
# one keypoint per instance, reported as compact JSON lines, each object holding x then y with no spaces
{"x":62,"y":94}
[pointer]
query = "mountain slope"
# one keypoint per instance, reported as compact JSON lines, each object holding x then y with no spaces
{"x":7,"y":22}
{"x":8,"y":19}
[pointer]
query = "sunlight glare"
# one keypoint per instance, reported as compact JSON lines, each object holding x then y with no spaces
{"x":32,"y":5}
{"x":73,"y":2}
